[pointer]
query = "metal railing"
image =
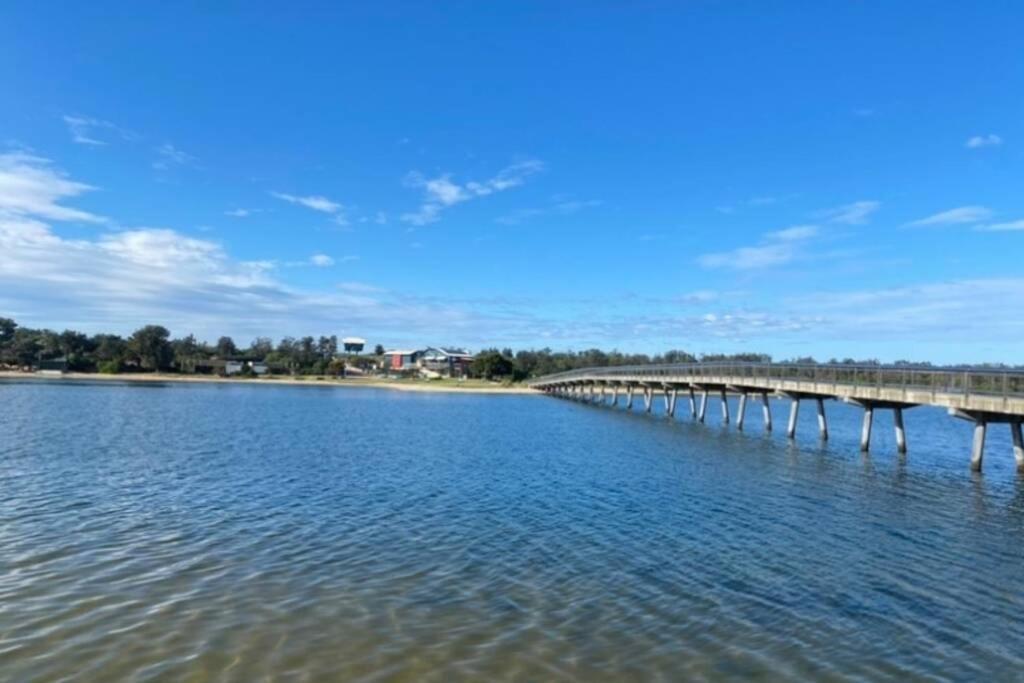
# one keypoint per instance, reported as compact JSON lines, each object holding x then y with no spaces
{"x":1006,"y":383}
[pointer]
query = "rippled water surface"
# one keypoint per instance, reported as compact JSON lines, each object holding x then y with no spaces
{"x":244,"y":533}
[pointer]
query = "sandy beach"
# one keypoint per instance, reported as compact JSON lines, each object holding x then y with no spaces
{"x":471,"y":386}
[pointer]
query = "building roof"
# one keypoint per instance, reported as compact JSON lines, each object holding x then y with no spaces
{"x":401,"y":352}
{"x":353,"y":340}
{"x":449,"y":352}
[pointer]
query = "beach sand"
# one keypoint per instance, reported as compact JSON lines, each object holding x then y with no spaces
{"x":471,"y":387}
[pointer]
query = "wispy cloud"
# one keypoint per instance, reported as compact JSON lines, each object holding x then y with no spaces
{"x":558,"y":208}
{"x":316,"y":203}
{"x":172,"y":156}
{"x":240,"y":213}
{"x":321,"y":260}
{"x":795,"y":233}
{"x":779,"y":248}
{"x":990,"y":140}
{"x":747,"y":258}
{"x":86,"y":130}
{"x":958,"y":216}
{"x":856,"y":213}
{"x":1010,"y":226}
{"x":30,"y":186}
{"x":441,"y":192}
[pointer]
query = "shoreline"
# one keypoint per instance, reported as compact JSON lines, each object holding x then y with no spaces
{"x":374,"y":383}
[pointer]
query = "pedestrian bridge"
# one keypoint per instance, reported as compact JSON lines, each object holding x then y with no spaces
{"x":981,"y":396}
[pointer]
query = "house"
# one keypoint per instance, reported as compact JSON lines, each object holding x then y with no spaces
{"x":400,"y":360}
{"x":445,"y":361}
{"x":235,"y":367}
{"x":353,"y":344}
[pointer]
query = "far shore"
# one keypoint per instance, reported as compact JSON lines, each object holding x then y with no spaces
{"x":446,"y":386}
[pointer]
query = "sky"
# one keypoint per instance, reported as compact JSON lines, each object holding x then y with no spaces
{"x":830,"y":179}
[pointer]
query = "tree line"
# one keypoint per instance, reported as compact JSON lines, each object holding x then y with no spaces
{"x":151,"y":348}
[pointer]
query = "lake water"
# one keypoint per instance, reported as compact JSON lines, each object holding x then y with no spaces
{"x":241,"y":533}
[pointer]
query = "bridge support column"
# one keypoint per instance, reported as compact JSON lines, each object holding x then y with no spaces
{"x":601,"y":399}
{"x":670,"y":401}
{"x":741,"y":410}
{"x":822,"y":422}
{"x":981,"y":422}
{"x":1018,"y":445}
{"x":629,"y":397}
{"x":794,"y":412}
{"x":766,"y":410}
{"x":901,"y":433}
{"x":693,"y":404}
{"x":978,"y":447}
{"x":648,"y":399}
{"x":725,"y":408}
{"x":615,"y":395}
{"x":703,"y":405}
{"x":865,"y":429}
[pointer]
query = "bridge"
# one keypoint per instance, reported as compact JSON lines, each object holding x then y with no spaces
{"x":981,"y":396}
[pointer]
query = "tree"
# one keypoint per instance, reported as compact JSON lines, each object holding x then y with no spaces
{"x":327,"y":347}
{"x":7,"y":328}
{"x":186,"y":352}
{"x":226,"y":348}
{"x":378,"y":350}
{"x":261,"y":347}
{"x":25,"y":347}
{"x":150,"y":347}
{"x":491,"y":364}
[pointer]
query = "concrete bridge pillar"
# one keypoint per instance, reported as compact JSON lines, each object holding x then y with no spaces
{"x":741,"y":411}
{"x":978,"y":446}
{"x":725,"y":408}
{"x":629,"y":397}
{"x":648,"y":398}
{"x":822,"y":422}
{"x":693,"y":404}
{"x":865,"y":429}
{"x":615,"y":395}
{"x":981,"y":422}
{"x":794,"y":412}
{"x":901,"y":433}
{"x":1018,"y":444}
{"x":766,"y":410}
{"x":703,"y":405}
{"x":670,"y":400}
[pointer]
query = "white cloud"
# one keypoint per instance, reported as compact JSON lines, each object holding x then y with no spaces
{"x":856,"y":213}
{"x":321,"y":260}
{"x":238,"y":213}
{"x":957,"y":216}
{"x":781,"y":247}
{"x":1002,"y":227}
{"x":172,"y":156}
{"x":315,"y":202}
{"x":990,"y":140}
{"x":558,"y":208}
{"x":747,"y":258}
{"x":797,"y":232}
{"x":441,"y":192}
{"x":30,"y":186}
{"x":85,"y":130}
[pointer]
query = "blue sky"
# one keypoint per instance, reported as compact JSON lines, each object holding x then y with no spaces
{"x":827,"y":179}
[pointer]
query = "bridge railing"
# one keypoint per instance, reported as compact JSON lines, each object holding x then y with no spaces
{"x":1008,"y":383}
